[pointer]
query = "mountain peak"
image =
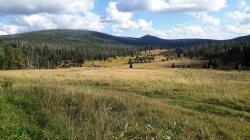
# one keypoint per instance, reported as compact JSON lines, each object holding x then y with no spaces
{"x":149,"y":36}
{"x":88,"y":37}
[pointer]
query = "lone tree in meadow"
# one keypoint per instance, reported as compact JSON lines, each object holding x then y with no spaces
{"x":130,"y":63}
{"x":210,"y":64}
{"x":173,"y":65}
{"x":238,"y":67}
{"x":215,"y":64}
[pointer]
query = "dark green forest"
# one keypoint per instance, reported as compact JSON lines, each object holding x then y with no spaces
{"x":50,"y":49}
{"x":64,"y":48}
{"x":220,"y":54}
{"x":20,"y":55}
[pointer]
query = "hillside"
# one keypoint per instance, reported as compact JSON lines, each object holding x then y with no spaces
{"x":85,"y":37}
{"x":64,"y":48}
{"x":64,"y":37}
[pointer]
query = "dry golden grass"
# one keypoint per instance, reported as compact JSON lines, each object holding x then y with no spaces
{"x":210,"y":103}
{"x":155,"y":77}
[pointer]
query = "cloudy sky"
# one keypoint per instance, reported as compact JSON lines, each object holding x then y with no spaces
{"x":169,"y":19}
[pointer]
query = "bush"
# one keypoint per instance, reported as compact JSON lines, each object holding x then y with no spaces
{"x":173,"y":65}
{"x":6,"y":83}
{"x":205,"y":66}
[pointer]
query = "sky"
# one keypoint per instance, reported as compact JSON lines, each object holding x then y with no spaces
{"x":168,"y":19}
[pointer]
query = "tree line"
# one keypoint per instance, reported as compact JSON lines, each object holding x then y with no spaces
{"x":23,"y":54}
{"x":227,"y":53}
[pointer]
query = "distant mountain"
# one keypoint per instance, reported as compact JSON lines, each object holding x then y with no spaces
{"x":243,"y":38}
{"x":86,"y":37}
{"x":66,"y":48}
{"x":62,"y":36}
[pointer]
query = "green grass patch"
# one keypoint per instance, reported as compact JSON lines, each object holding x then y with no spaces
{"x":38,"y":114}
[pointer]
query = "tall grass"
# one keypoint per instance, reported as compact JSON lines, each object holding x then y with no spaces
{"x":39,"y":113}
{"x":115,"y":103}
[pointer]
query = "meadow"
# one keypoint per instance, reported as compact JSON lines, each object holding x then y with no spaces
{"x":150,"y":101}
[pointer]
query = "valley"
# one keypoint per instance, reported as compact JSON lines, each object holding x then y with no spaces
{"x":67,"y":84}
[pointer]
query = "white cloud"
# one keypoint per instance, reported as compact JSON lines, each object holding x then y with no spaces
{"x":242,"y":4}
{"x":243,"y":16}
{"x":144,"y":25}
{"x":17,"y":7}
{"x":114,"y":15}
{"x":217,"y":31}
{"x":181,"y":31}
{"x":124,"y":20}
{"x":89,"y":21}
{"x":207,"y":18}
{"x":141,"y":24}
{"x":204,"y":32}
{"x":6,"y":29}
{"x":27,"y":15}
{"x":238,"y":30}
{"x":127,"y":25}
{"x":37,"y":21}
{"x":171,"y":5}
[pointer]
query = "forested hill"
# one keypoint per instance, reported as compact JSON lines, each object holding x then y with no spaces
{"x":87,"y":38}
{"x":53,"y":48}
{"x":65,"y":37}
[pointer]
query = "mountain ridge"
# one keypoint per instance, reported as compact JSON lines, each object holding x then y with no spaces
{"x":88,"y":36}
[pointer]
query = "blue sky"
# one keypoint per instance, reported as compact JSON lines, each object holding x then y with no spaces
{"x":169,"y":19}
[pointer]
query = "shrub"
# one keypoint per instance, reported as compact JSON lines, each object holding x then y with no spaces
{"x":6,"y":83}
{"x":173,"y":65}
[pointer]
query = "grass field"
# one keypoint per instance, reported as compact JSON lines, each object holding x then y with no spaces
{"x":149,"y":101}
